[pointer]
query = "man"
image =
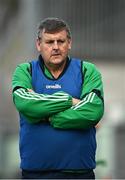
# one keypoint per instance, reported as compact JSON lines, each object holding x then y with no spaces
{"x":60,"y":100}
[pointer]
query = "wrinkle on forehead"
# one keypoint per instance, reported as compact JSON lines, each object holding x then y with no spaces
{"x":54,"y":35}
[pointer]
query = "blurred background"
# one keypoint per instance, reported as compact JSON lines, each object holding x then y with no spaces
{"x":98,"y":29}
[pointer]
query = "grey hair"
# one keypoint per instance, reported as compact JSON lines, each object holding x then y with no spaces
{"x":51,"y":25}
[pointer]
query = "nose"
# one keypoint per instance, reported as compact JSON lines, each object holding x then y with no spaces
{"x":55,"y":45}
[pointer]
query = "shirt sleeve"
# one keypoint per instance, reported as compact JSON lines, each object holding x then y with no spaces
{"x":89,"y":111}
{"x":35,"y":107}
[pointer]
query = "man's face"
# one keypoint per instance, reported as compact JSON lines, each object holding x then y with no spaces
{"x":54,"y":47}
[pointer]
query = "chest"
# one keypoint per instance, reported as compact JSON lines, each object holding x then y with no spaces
{"x":70,"y":82}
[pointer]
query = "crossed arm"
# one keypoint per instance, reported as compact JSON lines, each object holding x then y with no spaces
{"x":62,"y":109}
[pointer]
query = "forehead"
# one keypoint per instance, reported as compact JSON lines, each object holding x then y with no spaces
{"x":54,"y":35}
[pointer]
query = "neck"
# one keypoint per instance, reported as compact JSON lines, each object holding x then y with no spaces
{"x":56,"y":70}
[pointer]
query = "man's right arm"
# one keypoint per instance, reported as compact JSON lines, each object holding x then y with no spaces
{"x":34,"y":106}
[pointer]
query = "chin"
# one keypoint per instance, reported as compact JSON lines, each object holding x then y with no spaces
{"x":57,"y":61}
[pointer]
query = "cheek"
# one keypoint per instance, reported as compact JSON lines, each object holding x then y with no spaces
{"x":66,"y":49}
{"x":45,"y":52}
{"x":45,"y":49}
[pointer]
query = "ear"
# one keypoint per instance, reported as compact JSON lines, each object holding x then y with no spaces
{"x":38,"y":45}
{"x":70,"y":43}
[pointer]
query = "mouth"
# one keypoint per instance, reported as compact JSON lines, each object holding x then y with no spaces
{"x":56,"y":55}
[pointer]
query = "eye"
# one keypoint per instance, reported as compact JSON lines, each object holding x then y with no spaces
{"x":60,"y":41}
{"x":50,"y":42}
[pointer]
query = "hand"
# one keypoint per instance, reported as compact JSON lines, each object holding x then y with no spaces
{"x":30,"y":90}
{"x":75,"y":101}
